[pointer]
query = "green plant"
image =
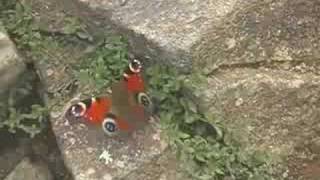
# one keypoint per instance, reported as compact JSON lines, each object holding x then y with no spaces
{"x":17,"y":113}
{"x":204,"y":153}
{"x":28,"y":122}
{"x":18,"y":21}
{"x":22,"y":110}
{"x":204,"y":156}
{"x":73,"y":26}
{"x":104,"y":65}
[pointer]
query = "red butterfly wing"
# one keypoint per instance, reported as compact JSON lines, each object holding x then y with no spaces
{"x":98,"y":110}
{"x":135,"y":83}
{"x":124,"y":110}
{"x":92,"y":110}
{"x":132,"y":75}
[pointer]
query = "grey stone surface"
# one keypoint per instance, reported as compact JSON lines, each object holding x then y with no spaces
{"x":280,"y":107}
{"x":11,"y":65}
{"x":159,"y":30}
{"x":262,"y":32}
{"x":12,"y":151}
{"x":211,"y":34}
{"x":263,"y":80}
{"x":28,"y":170}
{"x":163,"y":168}
{"x":42,"y":150}
{"x":92,"y":155}
{"x":273,"y":110}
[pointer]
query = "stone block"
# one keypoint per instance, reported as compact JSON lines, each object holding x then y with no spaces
{"x":92,"y":155}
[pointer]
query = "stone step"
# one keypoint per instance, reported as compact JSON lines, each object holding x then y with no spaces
{"x":157,"y":30}
{"x":90,"y":154}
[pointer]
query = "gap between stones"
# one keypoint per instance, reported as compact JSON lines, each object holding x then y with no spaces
{"x":274,"y":64}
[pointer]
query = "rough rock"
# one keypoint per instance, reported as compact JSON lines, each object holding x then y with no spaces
{"x":11,"y":65}
{"x":257,"y":33}
{"x":92,"y":155}
{"x":157,"y":30}
{"x":263,"y":80}
{"x":29,"y":170}
{"x":41,"y":150}
{"x":275,"y":111}
{"x":12,"y":150}
{"x":165,"y":167}
{"x":45,"y":149}
{"x":270,"y":103}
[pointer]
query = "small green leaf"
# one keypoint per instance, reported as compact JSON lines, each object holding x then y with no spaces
{"x":189,"y":118}
{"x":183,"y":135}
{"x":200,"y":158}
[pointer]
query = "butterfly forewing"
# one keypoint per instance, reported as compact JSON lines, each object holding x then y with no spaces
{"x":91,"y":110}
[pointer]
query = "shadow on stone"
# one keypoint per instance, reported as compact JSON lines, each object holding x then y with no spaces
{"x":22,"y":156}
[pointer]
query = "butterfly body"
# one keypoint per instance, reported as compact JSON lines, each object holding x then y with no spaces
{"x":123,"y":110}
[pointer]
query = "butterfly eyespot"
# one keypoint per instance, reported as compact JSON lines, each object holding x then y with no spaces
{"x":144,"y":100}
{"x":78,"y":110}
{"x":109,"y":125}
{"x":135,"y":66}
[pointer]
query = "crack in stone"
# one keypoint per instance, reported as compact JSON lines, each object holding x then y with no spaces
{"x":311,"y":66}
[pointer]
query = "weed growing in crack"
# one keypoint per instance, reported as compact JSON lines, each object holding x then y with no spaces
{"x":204,"y":153}
{"x":17,"y":20}
{"x":22,"y":109}
{"x":104,"y":66}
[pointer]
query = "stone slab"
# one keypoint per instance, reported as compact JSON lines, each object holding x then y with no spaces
{"x":28,"y":170}
{"x":262,"y":32}
{"x":11,"y":65}
{"x":158,"y":30}
{"x":13,"y":149}
{"x":92,"y":155}
{"x":272,"y":110}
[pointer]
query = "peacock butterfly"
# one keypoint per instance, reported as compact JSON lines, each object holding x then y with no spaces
{"x":126,"y":109}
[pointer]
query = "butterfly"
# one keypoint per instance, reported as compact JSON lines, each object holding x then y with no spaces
{"x":125,"y":110}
